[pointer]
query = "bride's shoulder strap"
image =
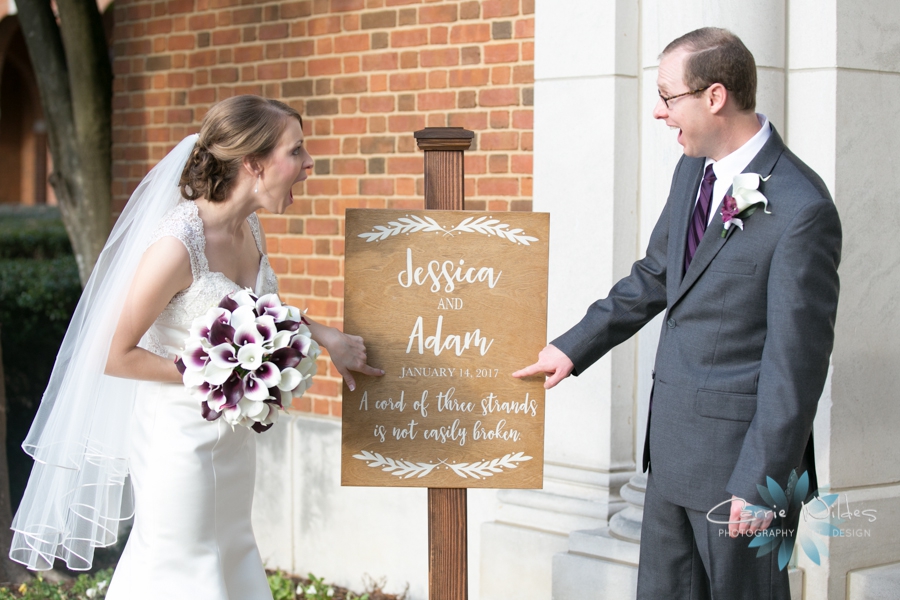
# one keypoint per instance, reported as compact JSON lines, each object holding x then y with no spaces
{"x":253,"y":220}
{"x":184,"y":224}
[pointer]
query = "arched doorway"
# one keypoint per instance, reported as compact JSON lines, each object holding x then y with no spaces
{"x":23,"y":138}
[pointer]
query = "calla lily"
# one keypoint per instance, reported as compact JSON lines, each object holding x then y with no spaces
{"x":271,"y":305}
{"x":266,"y":327}
{"x":288,"y":325}
{"x":221,"y":333}
{"x":223,"y":356}
{"x":243,"y":315}
{"x":207,"y":413}
{"x":200,"y":328}
{"x":244,"y":298}
{"x":285,"y":358}
{"x":216,"y":375}
{"x":268,"y":374}
{"x":306,"y":369}
{"x":301,"y":343}
{"x":279,"y":398}
{"x":193,"y":378}
{"x":250,"y":356}
{"x":254,"y":389}
{"x":290,"y":378}
{"x":281,"y":339}
{"x":217,"y":399}
{"x":745,"y":193}
{"x":195,"y":357}
{"x":253,"y":410}
{"x":228,"y":303}
{"x":248,"y":334}
{"x":232,"y":415}
{"x":233,"y":388}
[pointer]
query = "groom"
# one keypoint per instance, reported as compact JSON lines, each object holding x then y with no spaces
{"x":749,"y":327}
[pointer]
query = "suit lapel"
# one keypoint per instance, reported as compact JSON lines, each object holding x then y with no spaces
{"x":713,"y":241}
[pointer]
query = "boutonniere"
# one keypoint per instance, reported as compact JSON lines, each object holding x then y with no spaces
{"x":744,"y":202}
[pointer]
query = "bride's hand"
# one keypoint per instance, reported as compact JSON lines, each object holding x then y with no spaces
{"x":348,"y":352}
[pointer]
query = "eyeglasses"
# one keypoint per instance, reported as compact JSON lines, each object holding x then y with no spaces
{"x":666,"y":99}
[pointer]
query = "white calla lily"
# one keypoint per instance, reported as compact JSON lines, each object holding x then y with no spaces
{"x":253,"y":410}
{"x":244,"y":298}
{"x":290,"y":377}
{"x":242,"y":316}
{"x":216,"y":375}
{"x":281,"y":339}
{"x":250,"y":356}
{"x":223,"y":356}
{"x":745,"y":190}
{"x":248,"y":334}
{"x":193,"y":378}
{"x":233,"y":415}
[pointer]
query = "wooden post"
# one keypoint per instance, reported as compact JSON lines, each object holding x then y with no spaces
{"x":448,"y":553}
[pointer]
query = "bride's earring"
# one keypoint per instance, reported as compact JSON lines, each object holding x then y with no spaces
{"x":256,"y":189}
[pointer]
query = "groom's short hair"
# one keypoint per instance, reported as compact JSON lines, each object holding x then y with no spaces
{"x":716,"y":55}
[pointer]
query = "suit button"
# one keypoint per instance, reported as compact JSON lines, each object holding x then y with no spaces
{"x":671,"y":323}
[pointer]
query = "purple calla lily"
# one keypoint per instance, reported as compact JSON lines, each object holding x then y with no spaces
{"x":285,"y":358}
{"x":287,"y":325}
{"x":221,"y":333}
{"x":271,"y":305}
{"x":233,"y":389}
{"x":195,"y":357}
{"x":208,"y":413}
{"x":223,"y":356}
{"x":248,"y":334}
{"x":179,"y":364}
{"x":268,"y":374}
{"x":265,"y":325}
{"x":302,"y":344}
{"x":228,"y":304}
{"x":254,"y":389}
{"x":260,"y":428}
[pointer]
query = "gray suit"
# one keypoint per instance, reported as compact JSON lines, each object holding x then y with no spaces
{"x":744,"y":350}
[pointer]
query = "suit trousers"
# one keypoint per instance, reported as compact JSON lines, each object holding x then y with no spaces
{"x":684,"y":556}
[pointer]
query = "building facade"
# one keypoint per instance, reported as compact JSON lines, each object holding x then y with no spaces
{"x":559,"y":94}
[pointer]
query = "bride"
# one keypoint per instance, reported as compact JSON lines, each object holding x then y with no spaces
{"x":115,"y":404}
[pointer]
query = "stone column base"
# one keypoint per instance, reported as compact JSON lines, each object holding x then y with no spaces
{"x":599,"y":566}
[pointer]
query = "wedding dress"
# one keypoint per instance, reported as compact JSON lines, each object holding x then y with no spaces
{"x":193,"y":479}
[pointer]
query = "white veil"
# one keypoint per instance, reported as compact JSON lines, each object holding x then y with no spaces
{"x":77,"y":491}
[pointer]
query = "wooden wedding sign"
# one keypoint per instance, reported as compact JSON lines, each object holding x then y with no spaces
{"x":449,"y":303}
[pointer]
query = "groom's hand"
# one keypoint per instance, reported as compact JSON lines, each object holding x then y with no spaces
{"x":742,"y":523}
{"x":555,"y":365}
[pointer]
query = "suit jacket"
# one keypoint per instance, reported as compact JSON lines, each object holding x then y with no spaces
{"x":748,"y":332}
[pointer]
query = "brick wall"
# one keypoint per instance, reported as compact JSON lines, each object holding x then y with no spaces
{"x":365,"y":74}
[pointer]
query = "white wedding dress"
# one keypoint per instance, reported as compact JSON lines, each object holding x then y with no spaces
{"x":193,"y":479}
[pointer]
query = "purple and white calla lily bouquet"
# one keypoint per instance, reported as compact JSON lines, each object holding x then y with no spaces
{"x":247,"y":358}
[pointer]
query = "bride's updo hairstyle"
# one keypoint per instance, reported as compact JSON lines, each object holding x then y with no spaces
{"x":239,"y":127}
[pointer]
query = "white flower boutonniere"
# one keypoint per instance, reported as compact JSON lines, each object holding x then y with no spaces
{"x":746,"y":198}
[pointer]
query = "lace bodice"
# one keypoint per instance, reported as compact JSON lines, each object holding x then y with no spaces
{"x":167,"y":334}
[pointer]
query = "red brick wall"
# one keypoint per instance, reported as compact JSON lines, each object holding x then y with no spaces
{"x":365,"y":74}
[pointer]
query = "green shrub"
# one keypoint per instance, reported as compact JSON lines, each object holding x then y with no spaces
{"x":37,"y":298}
{"x":32,"y":232}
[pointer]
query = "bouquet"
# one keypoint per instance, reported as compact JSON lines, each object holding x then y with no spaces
{"x":247,"y":357}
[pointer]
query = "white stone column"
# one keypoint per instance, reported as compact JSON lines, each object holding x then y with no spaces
{"x":844,"y":121}
{"x":586,"y":161}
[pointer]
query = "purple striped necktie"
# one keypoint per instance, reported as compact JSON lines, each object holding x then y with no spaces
{"x":700,"y":218}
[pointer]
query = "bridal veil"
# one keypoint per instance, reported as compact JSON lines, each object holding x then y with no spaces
{"x":78,"y":491}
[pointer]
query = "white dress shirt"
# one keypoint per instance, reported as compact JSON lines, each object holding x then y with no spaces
{"x":733,"y":164}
